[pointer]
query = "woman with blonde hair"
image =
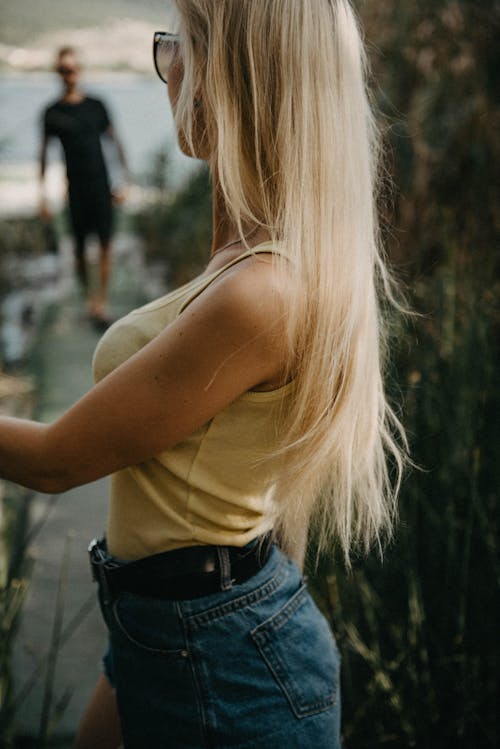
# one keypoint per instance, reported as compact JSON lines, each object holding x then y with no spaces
{"x":244,"y":408}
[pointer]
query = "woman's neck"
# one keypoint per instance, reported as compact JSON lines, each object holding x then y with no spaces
{"x":225,"y":231}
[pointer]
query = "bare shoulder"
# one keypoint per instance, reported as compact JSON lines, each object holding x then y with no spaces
{"x":248,"y":296}
{"x":242,"y":313}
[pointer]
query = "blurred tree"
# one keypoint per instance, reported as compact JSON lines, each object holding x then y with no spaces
{"x":178,"y":227}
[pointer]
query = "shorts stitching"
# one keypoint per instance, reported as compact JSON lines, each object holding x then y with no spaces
{"x":301,"y":711}
{"x":262,"y":636}
{"x":157,"y":651}
{"x":197,"y":687}
{"x":281,"y":617}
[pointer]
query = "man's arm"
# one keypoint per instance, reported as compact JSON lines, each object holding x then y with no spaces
{"x":110,"y":132}
{"x":43,"y":204}
{"x":119,"y":195}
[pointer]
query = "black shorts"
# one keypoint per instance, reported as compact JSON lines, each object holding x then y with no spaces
{"x":91,"y":212}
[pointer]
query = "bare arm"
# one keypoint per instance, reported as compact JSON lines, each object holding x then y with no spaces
{"x":43,"y":156}
{"x":43,"y":166}
{"x":110,"y":132}
{"x":120,"y":194}
{"x":223,"y":344}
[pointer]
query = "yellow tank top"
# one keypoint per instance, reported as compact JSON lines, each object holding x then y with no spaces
{"x":209,"y":488}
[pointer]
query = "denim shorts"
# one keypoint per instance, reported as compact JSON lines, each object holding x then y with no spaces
{"x":252,"y":667}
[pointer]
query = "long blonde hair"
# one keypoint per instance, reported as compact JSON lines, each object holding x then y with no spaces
{"x":295,"y":148}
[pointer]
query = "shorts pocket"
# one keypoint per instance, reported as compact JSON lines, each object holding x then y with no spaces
{"x":300,"y":651}
{"x":148,"y":624}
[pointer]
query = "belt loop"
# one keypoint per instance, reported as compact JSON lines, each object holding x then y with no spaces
{"x":226,"y":582}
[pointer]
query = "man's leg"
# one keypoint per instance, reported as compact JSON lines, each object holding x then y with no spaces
{"x":104,"y":224}
{"x":100,"y":724}
{"x":81,"y":265}
{"x":104,"y":273}
{"x":80,"y":232}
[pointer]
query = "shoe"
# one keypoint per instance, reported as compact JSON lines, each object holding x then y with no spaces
{"x":100,"y":322}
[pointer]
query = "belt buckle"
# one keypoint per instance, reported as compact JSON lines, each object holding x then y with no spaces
{"x":92,"y":548}
{"x":98,"y":569}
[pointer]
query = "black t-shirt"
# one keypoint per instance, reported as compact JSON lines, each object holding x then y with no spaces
{"x":79,"y":128}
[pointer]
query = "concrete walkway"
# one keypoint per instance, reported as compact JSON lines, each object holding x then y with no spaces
{"x":62,"y":359}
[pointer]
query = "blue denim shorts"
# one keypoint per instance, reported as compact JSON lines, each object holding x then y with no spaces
{"x":253,"y":667}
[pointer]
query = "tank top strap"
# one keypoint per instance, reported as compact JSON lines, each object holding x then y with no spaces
{"x":265,"y":247}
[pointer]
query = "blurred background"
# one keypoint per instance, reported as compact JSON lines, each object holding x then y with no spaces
{"x":418,"y":633}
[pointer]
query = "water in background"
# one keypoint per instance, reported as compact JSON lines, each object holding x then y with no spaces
{"x":139,"y":110}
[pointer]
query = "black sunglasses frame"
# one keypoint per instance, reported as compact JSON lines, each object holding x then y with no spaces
{"x":158,"y":38}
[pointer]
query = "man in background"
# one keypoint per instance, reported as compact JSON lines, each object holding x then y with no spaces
{"x":79,"y":121}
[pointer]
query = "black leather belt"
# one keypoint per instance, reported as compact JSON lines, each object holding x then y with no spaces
{"x":183,"y":573}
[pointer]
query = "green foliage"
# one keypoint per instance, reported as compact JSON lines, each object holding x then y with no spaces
{"x":419,"y":634}
{"x":16,"y":399}
{"x":27,"y":237}
{"x":13,"y":587}
{"x":23,"y":238}
{"x":177,"y":228}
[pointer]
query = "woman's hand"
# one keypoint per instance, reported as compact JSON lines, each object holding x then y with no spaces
{"x":227,"y":341}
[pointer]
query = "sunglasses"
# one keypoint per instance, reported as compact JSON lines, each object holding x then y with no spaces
{"x":63,"y":70}
{"x":165,"y":46}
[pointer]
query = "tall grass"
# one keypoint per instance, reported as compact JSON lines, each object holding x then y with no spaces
{"x":419,"y":634}
{"x":16,"y":398}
